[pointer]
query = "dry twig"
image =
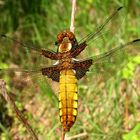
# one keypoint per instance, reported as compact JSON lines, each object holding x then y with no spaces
{"x":63,"y":135}
{"x":84,"y":134}
{"x":73,"y":15}
{"x":20,"y":116}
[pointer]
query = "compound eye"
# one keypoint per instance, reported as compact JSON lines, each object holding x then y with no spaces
{"x":70,"y":35}
{"x":60,"y":37}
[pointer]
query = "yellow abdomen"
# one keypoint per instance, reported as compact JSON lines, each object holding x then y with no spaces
{"x":68,"y":98}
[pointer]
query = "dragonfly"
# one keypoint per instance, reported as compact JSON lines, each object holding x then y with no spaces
{"x":68,"y":69}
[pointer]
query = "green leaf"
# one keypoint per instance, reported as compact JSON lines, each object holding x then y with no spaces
{"x":132,"y":135}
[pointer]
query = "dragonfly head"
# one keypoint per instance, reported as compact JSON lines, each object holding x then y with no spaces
{"x":65,"y":41}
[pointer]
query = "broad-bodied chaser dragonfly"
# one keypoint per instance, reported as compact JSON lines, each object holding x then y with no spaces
{"x":68,"y":69}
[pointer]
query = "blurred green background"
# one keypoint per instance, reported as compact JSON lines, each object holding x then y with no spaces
{"x":107,"y":110}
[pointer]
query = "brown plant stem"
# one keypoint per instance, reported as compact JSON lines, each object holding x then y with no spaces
{"x":63,"y":135}
{"x":20,"y":116}
{"x":73,"y":15}
{"x":81,"y":135}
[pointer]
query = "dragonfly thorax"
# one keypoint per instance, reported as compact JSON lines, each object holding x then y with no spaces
{"x":65,"y":45}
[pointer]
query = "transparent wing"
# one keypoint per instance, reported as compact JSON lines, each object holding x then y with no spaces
{"x":107,"y":64}
{"x":109,"y":26}
{"x":20,"y":78}
{"x":25,"y":45}
{"x":22,"y":63}
{"x":21,"y":74}
{"x":25,"y":55}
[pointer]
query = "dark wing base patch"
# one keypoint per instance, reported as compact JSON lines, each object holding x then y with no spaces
{"x":52,"y":72}
{"x":81,"y":67}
